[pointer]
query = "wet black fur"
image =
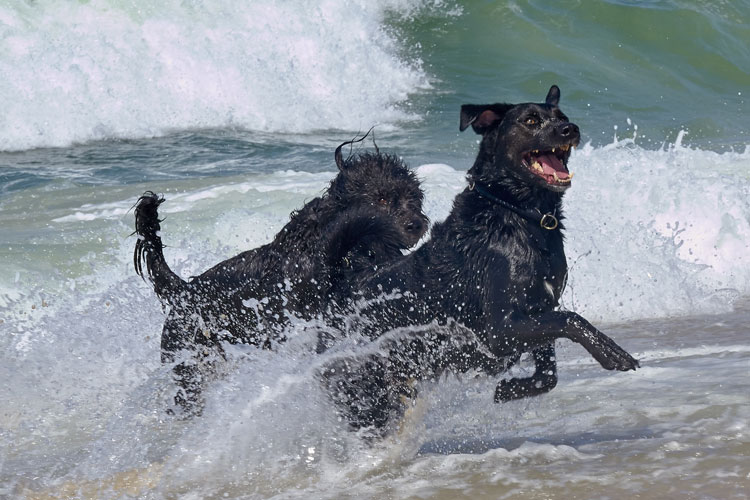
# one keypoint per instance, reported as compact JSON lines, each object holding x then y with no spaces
{"x":487,"y":283}
{"x":249,"y":298}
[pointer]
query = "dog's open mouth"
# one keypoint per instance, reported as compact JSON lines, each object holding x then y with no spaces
{"x":550,"y":165}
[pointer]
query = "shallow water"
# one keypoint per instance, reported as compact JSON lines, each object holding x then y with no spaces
{"x":233,"y":112}
{"x":677,"y":428}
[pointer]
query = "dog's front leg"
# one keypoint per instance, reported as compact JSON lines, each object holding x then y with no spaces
{"x":519,"y":333}
{"x":543,"y":380}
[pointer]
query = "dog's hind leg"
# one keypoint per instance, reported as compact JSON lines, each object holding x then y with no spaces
{"x":543,"y":380}
{"x":366,"y":393}
{"x":195,"y":354}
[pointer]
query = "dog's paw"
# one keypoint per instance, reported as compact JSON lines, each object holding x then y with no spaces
{"x":614,"y":357}
{"x":507,"y":390}
{"x":518,"y":388}
{"x":626,"y":362}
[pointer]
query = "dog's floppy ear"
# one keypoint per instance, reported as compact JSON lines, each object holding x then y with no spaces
{"x":482,"y":117}
{"x":553,"y":96}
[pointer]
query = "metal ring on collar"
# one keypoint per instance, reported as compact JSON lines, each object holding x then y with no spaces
{"x":548,"y":222}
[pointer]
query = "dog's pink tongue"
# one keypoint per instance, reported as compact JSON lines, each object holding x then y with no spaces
{"x":551,"y":164}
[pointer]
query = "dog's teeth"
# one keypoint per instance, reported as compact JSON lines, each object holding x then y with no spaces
{"x":562,"y":181}
{"x":537,"y":166}
{"x":553,"y":150}
{"x":570,"y":175}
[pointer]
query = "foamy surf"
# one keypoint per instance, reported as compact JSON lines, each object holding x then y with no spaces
{"x":105,"y":69}
{"x":269,"y":433}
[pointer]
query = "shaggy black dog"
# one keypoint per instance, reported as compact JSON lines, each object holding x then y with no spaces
{"x":249,"y":298}
{"x":485,"y":287}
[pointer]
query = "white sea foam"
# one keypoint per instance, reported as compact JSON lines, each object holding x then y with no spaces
{"x":657,"y":233}
{"x":81,"y":71}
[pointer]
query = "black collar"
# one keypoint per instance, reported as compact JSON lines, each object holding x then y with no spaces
{"x":547,"y":221}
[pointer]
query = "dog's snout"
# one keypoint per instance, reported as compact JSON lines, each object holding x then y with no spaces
{"x":414,"y":226}
{"x":413,"y":230}
{"x":568,"y":130}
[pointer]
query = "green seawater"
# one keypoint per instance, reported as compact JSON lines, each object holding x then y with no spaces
{"x":664,"y":65}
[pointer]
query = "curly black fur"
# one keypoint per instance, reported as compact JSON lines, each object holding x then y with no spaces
{"x":489,"y":270}
{"x":240,"y":300}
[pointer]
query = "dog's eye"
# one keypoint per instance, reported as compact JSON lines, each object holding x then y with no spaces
{"x":383,"y":201}
{"x":531,"y":121}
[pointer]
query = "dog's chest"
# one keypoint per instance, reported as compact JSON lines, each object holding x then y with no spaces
{"x":552,"y":275}
{"x":537,"y":272}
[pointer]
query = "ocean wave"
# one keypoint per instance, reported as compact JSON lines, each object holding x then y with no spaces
{"x":82,"y":71}
{"x":657,"y":233}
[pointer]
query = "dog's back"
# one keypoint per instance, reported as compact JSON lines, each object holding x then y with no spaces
{"x":293,"y":272}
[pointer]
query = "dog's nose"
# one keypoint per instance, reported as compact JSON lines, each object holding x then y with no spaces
{"x":415,"y":226}
{"x":568,"y":130}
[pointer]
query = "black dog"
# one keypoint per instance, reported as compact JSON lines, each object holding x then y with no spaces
{"x":250,"y":297}
{"x":488,"y":282}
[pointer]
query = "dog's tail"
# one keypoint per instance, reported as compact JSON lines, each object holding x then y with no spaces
{"x":149,"y":250}
{"x":359,"y":239}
